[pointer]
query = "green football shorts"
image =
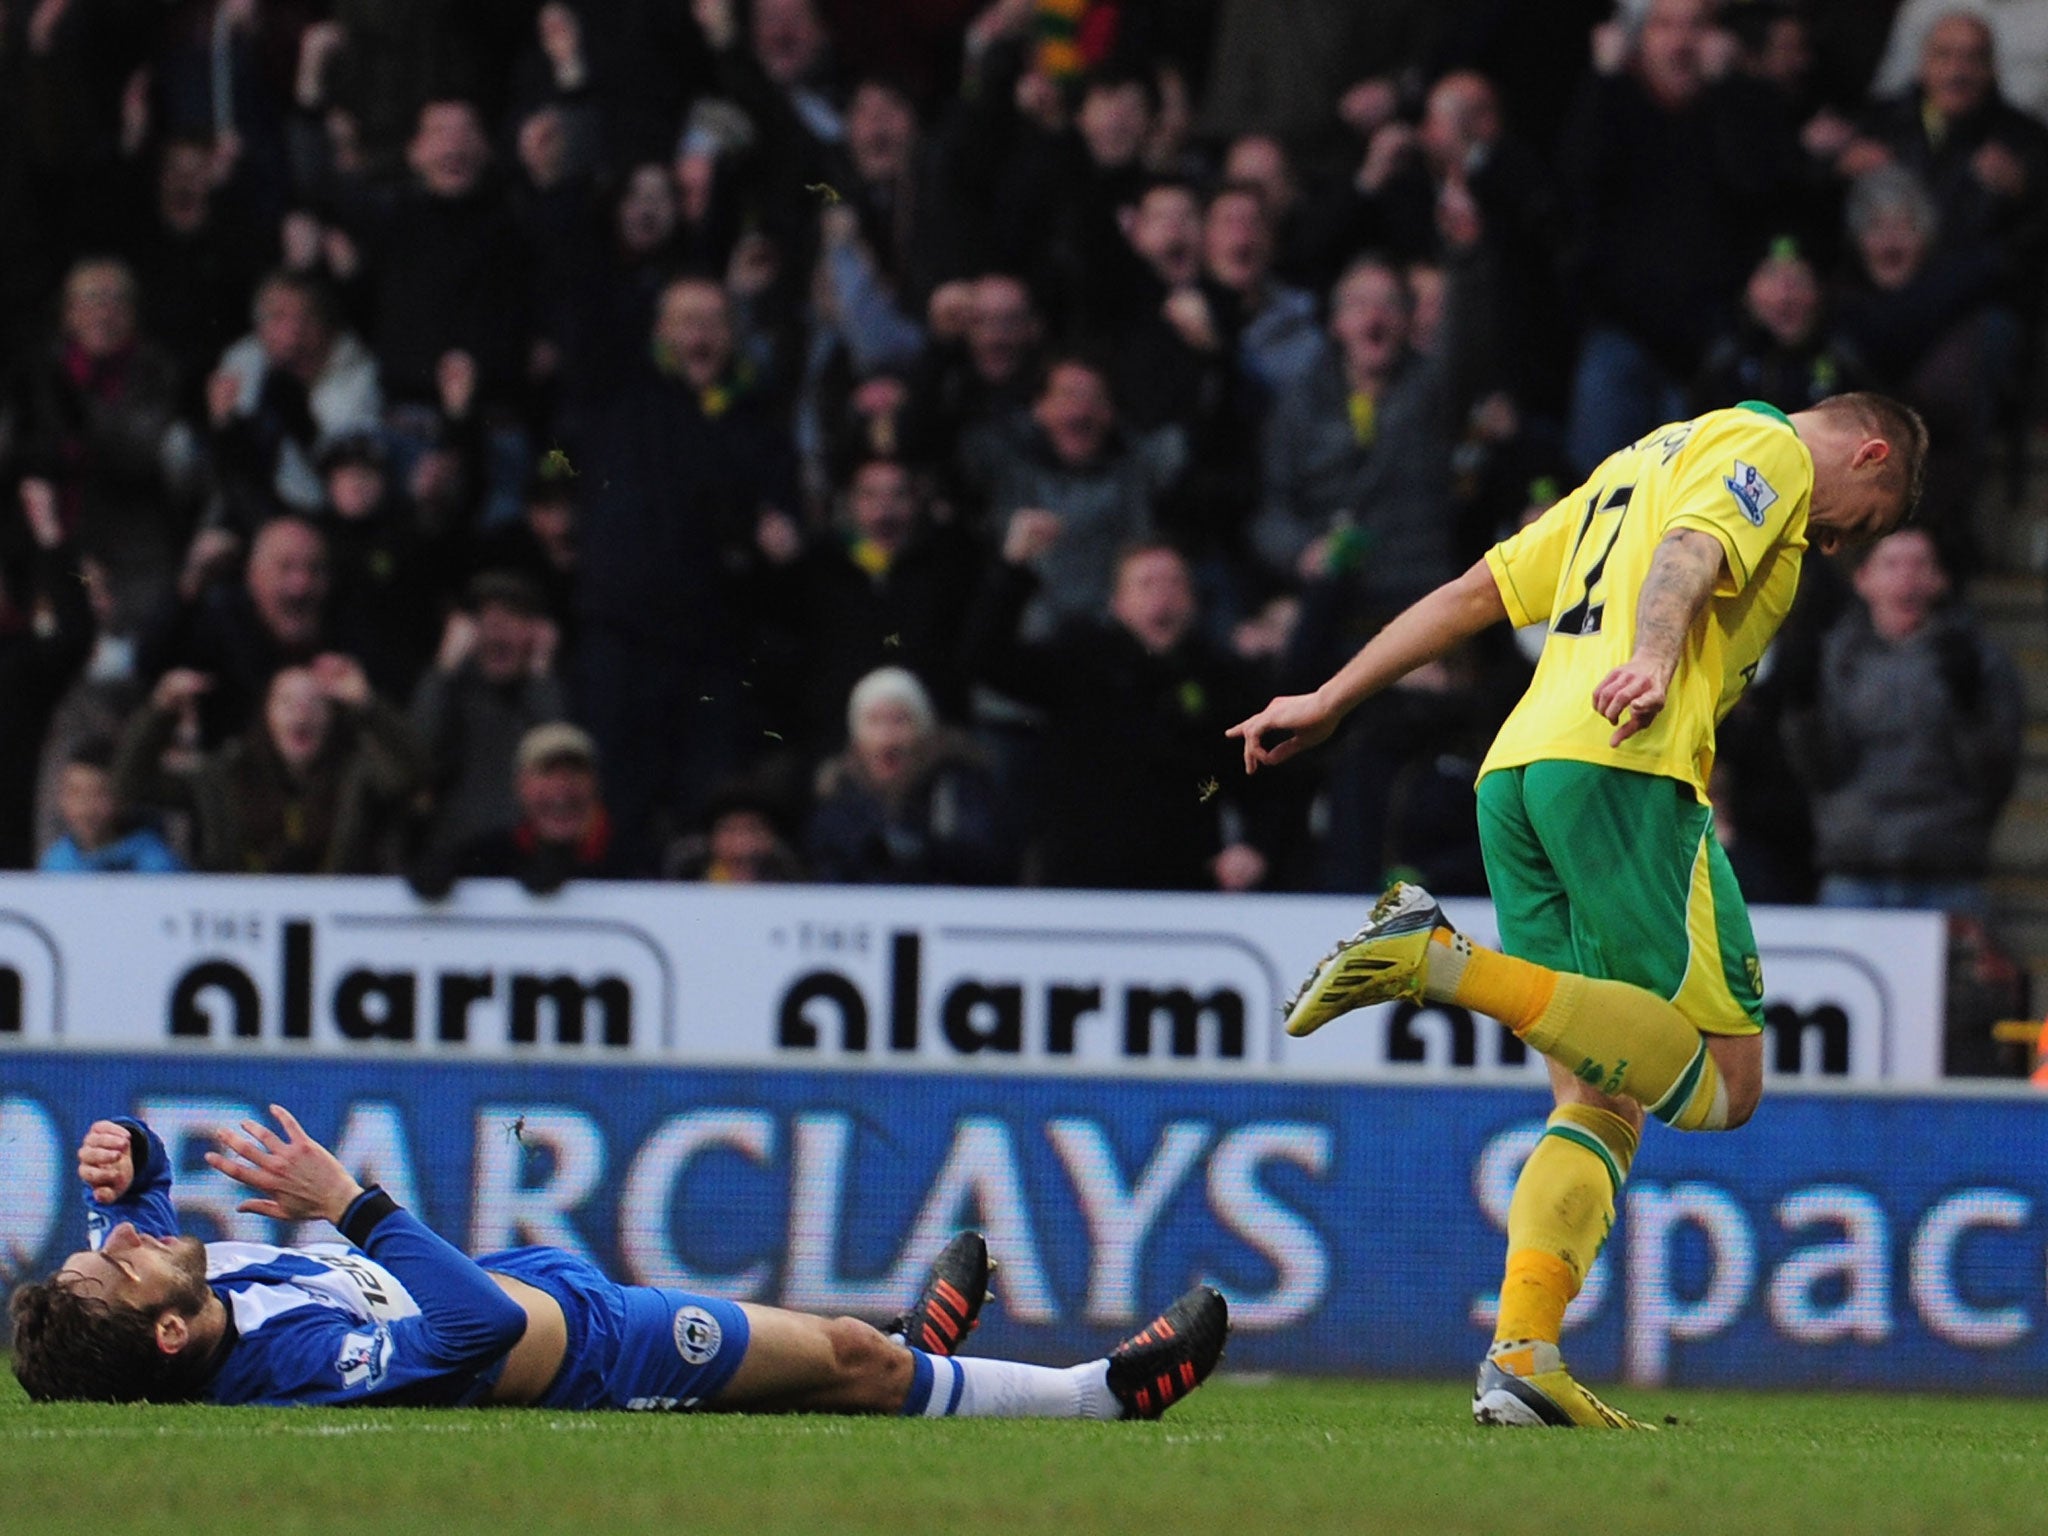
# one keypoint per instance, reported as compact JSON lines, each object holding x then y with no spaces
{"x":1616,"y":874}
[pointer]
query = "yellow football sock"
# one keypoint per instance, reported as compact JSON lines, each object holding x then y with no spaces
{"x":1559,"y":1217}
{"x":1618,"y":1038}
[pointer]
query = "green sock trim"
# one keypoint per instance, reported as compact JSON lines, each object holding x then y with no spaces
{"x":1592,"y":1144}
{"x":1672,"y":1105}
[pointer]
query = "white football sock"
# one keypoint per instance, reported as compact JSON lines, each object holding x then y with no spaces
{"x":1007,"y":1389}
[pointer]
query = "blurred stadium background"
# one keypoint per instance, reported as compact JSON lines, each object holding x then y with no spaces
{"x":650,"y":373}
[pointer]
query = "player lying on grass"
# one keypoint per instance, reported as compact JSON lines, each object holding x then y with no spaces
{"x":396,"y":1316}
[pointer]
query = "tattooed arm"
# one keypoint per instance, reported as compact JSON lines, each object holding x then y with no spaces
{"x":1682,"y":577}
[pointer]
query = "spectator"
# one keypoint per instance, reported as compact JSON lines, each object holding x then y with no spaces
{"x":96,"y":417}
{"x":388,"y":575}
{"x":743,"y":842}
{"x":45,"y":634}
{"x":1984,"y":160}
{"x":1360,"y":450}
{"x":1067,"y":457}
{"x":563,"y":831}
{"x":1396,"y":789}
{"x":982,"y":365}
{"x":1260,"y":160}
{"x":1920,"y":315}
{"x":777,"y":70}
{"x":2019,"y":28}
{"x":1390,"y":204}
{"x":1149,"y":815}
{"x":890,"y":583}
{"x":448,"y":271}
{"x":555,"y":74}
{"x":492,"y":682}
{"x":97,"y":837}
{"x":1279,"y":341}
{"x":1908,"y":735}
{"x":902,"y":222}
{"x":1777,"y":49}
{"x":318,"y":784}
{"x":101,"y":697}
{"x":281,"y":396}
{"x":1058,"y":201}
{"x":600,"y":290}
{"x":541,"y":546}
{"x":240,"y":632}
{"x":1907,"y":294}
{"x":1443,"y":720}
{"x":364,"y":76}
{"x":1179,"y":364}
{"x":906,"y":803}
{"x":197,"y":256}
{"x":687,"y":460}
{"x":1661,"y":146}
{"x":1782,"y":348}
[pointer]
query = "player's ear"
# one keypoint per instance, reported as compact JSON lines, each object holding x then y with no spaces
{"x":173,"y":1331}
{"x":1874,"y":451}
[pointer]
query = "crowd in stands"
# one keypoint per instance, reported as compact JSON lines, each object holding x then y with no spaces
{"x":889,"y":440}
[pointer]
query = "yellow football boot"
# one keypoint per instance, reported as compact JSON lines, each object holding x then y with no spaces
{"x":1523,"y":1384}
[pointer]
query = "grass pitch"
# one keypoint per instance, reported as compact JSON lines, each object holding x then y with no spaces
{"x":1242,"y":1458}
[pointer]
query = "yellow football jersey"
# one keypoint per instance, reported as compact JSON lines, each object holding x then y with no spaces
{"x":1741,"y":475}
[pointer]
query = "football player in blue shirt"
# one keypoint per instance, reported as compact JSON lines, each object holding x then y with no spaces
{"x":396,"y":1315}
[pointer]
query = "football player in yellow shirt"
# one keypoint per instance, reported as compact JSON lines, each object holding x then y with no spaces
{"x":1626,"y":953}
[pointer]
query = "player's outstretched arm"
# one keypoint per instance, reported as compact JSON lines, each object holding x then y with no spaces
{"x":1454,"y":612}
{"x":1681,"y":579}
{"x":464,"y":1320}
{"x":297,"y":1178}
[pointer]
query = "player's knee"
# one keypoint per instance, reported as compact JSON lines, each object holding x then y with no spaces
{"x":1567,"y":1089}
{"x":867,"y":1364}
{"x":1740,"y":1060}
{"x":1743,"y":1099}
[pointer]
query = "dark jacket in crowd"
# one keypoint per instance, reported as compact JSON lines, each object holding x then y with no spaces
{"x":448,"y":274}
{"x":253,"y":816}
{"x":45,"y":636}
{"x":838,"y":620}
{"x":1894,"y":330}
{"x":1670,"y":210}
{"x":196,"y":285}
{"x":1973,"y":219}
{"x":1910,"y":748}
{"x":1518,"y":203}
{"x":104,"y":432}
{"x":1747,"y":362}
{"x":946,"y":827}
{"x":470,"y":729}
{"x":669,"y":523}
{"x":518,"y":853}
{"x":389,"y":579}
{"x":1134,"y":751}
{"x":1102,"y":506}
{"x":219,"y":633}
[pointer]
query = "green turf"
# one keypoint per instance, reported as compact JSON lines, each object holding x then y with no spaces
{"x":1240,"y":1459}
